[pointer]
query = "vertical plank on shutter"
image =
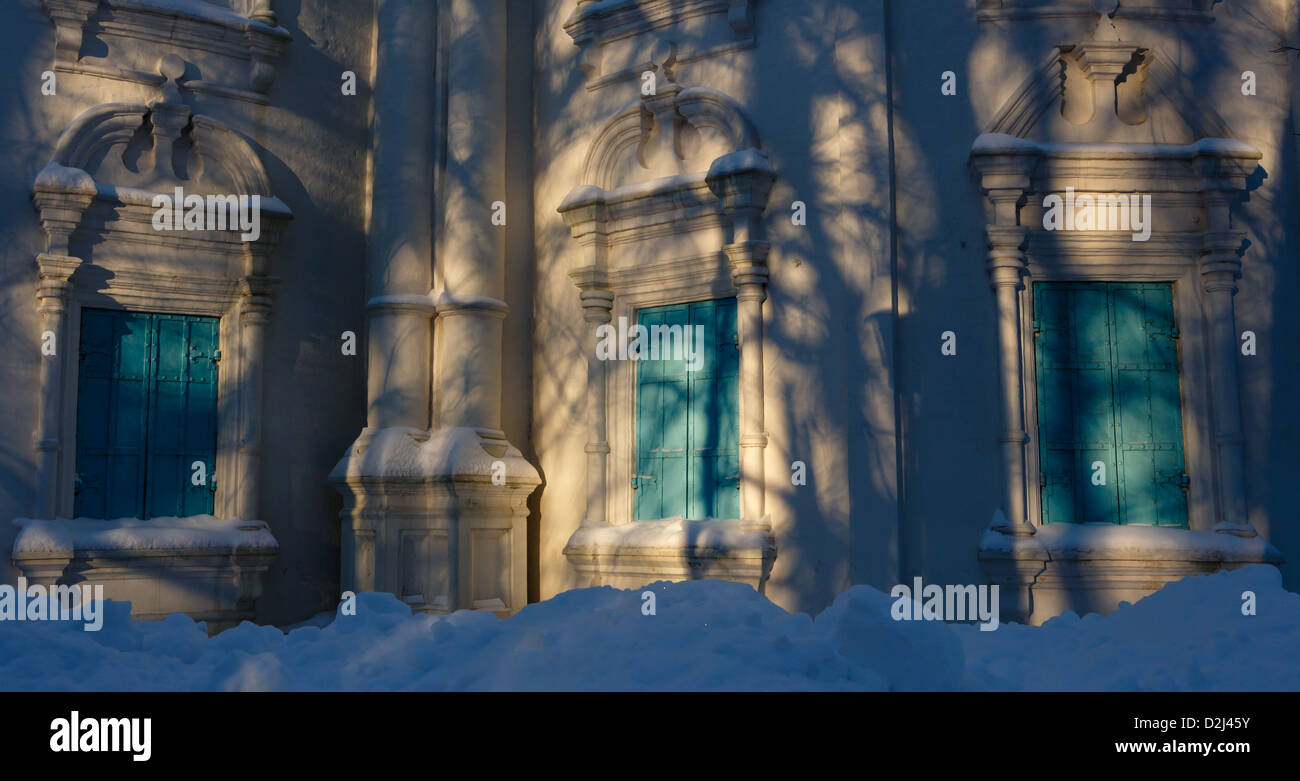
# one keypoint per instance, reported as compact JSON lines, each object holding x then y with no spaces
{"x":199,"y":443}
{"x":1148,"y":407}
{"x":1057,"y":457}
{"x":1075,"y":416}
{"x":128,"y":414}
{"x":1094,"y":404}
{"x":715,"y":462}
{"x":675,"y":414}
{"x":164,"y":486}
{"x":701,"y":473}
{"x":726,"y":388}
{"x":1166,"y":412}
{"x":94,"y":395}
{"x":661,"y":419}
{"x":183,"y":409}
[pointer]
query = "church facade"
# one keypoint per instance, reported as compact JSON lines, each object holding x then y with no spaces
{"x":478,"y":301}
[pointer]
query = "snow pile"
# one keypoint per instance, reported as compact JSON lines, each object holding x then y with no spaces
{"x":704,"y":635}
{"x":1189,"y":636}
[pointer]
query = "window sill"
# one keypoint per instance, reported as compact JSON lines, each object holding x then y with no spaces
{"x":1078,"y":542}
{"x":1093,"y":568}
{"x":207,"y":568}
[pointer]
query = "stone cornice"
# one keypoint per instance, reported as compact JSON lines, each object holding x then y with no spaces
{"x":1196,"y":11}
{"x":595,"y":24}
{"x":208,"y":33}
{"x":1015,"y":174}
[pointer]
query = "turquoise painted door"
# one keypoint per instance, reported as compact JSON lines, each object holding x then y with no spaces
{"x":687,"y":422}
{"x":146,"y":414}
{"x":1109,"y":409}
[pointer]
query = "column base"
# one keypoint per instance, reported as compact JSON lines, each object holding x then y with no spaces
{"x":1236,"y":529}
{"x":436,"y":518}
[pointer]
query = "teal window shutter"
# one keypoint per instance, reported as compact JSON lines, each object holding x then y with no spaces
{"x":112,"y":414}
{"x":661,"y":423}
{"x":146,"y":412}
{"x":687,"y":421}
{"x":183,"y":416}
{"x":1109,"y":404}
{"x":1148,"y":419}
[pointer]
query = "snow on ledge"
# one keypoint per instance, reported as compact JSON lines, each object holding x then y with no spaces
{"x":1003,"y":144}
{"x":671,"y":535}
{"x":1111,"y":541}
{"x":198,"y":532}
{"x":588,"y":195}
{"x":200,"y":11}
{"x":741,"y":162}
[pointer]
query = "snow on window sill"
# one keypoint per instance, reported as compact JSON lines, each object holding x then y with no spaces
{"x":1069,"y":541}
{"x":674,"y":536}
{"x":198,"y":534}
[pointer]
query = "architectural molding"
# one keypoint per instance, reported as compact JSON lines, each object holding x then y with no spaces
{"x":610,"y":34}
{"x":1196,"y":11}
{"x":1043,"y":89}
{"x":634,"y":237}
{"x":619,"y":146}
{"x":120,"y":260}
{"x":242,"y":50}
{"x":1113,"y":85}
{"x":1091,"y":569}
{"x":1193,"y":245}
{"x":208,"y":569}
{"x":434,"y":494}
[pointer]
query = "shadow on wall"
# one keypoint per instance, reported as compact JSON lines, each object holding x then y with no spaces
{"x":30,"y":121}
{"x":830,"y":316}
{"x":835,"y":342}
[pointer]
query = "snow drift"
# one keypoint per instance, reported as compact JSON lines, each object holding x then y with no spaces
{"x":704,"y":635}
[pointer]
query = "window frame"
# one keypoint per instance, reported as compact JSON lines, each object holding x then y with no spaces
{"x":660,"y":283}
{"x":1118,"y":475}
{"x":150,"y":400}
{"x":222,"y":306}
{"x":1198,"y":431}
{"x":636,"y":412}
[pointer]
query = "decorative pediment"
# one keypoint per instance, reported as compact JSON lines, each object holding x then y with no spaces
{"x":114,"y":164}
{"x":670,"y":131}
{"x":1108,"y":88}
{"x":1111,"y":121}
{"x":663,"y":135}
{"x":685,"y":157}
{"x":231,"y":48}
{"x":134,"y":149}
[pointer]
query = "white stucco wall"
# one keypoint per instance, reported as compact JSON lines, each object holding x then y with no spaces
{"x":900,"y":442}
